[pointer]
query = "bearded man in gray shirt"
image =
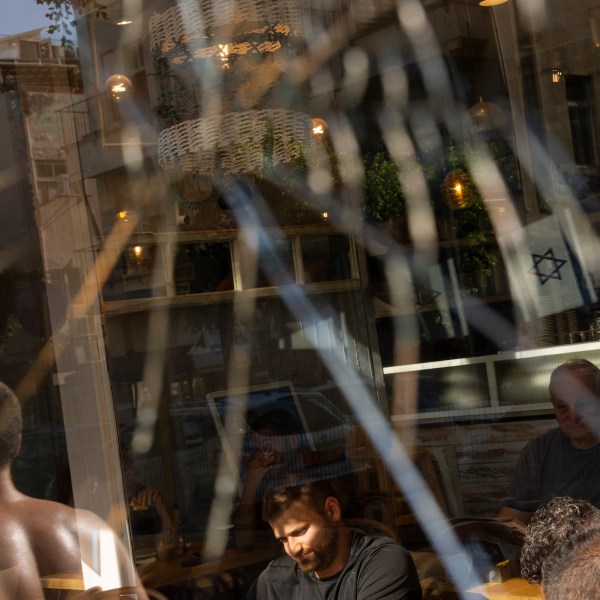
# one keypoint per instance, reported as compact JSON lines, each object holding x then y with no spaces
{"x":324,"y":559}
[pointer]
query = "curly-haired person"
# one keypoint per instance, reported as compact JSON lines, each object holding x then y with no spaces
{"x":552,"y":526}
{"x":572,"y":572}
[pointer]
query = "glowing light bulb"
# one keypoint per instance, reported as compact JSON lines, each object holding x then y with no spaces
{"x":319,"y":127}
{"x":224,"y":55}
{"x":455,"y":190}
{"x":119,"y":87}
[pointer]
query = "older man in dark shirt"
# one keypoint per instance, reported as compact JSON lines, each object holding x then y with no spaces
{"x":564,"y":461}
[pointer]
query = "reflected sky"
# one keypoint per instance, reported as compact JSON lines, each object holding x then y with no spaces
{"x":17,"y":16}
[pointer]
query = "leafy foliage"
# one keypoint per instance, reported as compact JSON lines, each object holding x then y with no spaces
{"x":61,"y":15}
{"x":384,"y":197}
{"x":470,"y":225}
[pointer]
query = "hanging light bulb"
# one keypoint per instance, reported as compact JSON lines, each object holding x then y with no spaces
{"x":485,"y":116}
{"x":119,"y":87}
{"x":318,"y":127}
{"x":137,"y":252}
{"x":457,"y":190}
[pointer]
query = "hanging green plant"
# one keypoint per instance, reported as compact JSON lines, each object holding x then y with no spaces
{"x":384,"y":197}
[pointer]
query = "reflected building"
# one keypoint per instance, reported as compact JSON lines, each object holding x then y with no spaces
{"x":380,"y":215}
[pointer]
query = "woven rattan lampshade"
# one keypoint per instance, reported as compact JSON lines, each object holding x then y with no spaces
{"x":238,"y":49}
{"x":204,"y":29}
{"x":234,"y":140}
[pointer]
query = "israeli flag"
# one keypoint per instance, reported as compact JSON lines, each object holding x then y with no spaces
{"x":546,"y":275}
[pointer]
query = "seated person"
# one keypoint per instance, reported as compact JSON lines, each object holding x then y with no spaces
{"x":324,"y":558}
{"x":572,"y":572}
{"x":551,"y":527}
{"x":41,"y":537}
{"x":275,"y":449}
{"x":149,"y":513}
{"x":564,"y":461}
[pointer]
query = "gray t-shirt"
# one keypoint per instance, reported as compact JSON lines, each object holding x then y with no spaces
{"x":378,"y":569}
{"x":549,"y":466}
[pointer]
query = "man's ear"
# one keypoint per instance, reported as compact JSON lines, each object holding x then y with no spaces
{"x":333,"y":510}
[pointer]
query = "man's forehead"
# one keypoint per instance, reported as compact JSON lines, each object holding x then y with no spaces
{"x":574,"y":387}
{"x":295,"y":515}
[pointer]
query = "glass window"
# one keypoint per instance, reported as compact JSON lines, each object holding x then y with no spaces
{"x":203,"y":268}
{"x":326,"y":258}
{"x":350,"y":242}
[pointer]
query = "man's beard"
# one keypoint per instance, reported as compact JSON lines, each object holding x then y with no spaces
{"x":323,"y":554}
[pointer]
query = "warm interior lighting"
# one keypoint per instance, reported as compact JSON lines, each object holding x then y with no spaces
{"x":124,"y":22}
{"x":224,"y":55}
{"x":325,"y":216}
{"x":455,"y":190}
{"x":122,"y":214}
{"x":458,"y":190}
{"x":119,"y":87}
{"x":556,"y":74}
{"x":137,"y":251}
{"x":318,"y":127}
{"x":491,"y":2}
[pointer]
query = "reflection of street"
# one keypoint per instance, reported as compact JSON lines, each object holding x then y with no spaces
{"x":319,"y":445}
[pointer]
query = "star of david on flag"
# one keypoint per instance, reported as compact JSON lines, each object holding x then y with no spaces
{"x":546,"y":276}
{"x":546,"y":266}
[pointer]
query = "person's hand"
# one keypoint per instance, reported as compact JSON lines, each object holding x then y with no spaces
{"x":264,"y":458}
{"x":146,"y":498}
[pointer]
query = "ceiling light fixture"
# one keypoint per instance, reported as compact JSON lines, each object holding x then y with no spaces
{"x":319,"y":127}
{"x":119,"y":87}
{"x":556,"y":74}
